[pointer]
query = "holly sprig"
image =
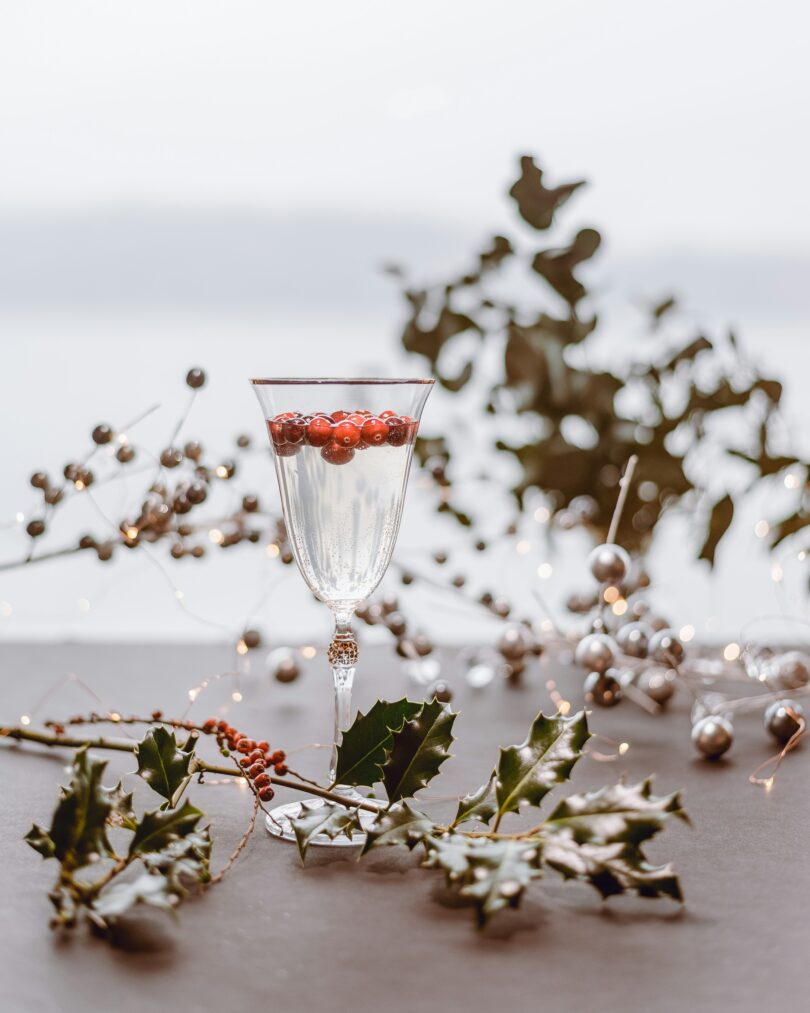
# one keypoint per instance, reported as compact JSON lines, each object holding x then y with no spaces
{"x":99,"y":841}
{"x":596,"y":837}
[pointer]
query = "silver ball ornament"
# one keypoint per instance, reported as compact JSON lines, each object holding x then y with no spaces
{"x":440,"y":691}
{"x":603,"y":688}
{"x":782,"y":719}
{"x":658,"y":683}
{"x":791,"y":670}
{"x":713,"y":736}
{"x":514,"y":643}
{"x":609,"y":563}
{"x":666,"y":648}
{"x":595,"y":652}
{"x":633,"y":639}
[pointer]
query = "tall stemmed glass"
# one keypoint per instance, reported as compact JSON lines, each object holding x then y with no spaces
{"x":342,"y":451}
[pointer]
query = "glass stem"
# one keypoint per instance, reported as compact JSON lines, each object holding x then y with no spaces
{"x":343,"y":659}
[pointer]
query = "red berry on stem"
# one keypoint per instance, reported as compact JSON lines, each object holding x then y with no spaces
{"x":346,"y":434}
{"x":374,"y":432}
{"x":260,"y":780}
{"x":280,"y":769}
{"x":244,"y":761}
{"x":335,"y":454}
{"x":319,"y":431}
{"x":266,"y":794}
{"x":256,"y":768}
{"x":263,"y":746}
{"x":242,"y":746}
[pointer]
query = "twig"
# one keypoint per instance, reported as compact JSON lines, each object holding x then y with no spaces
{"x":240,"y":847}
{"x":624,"y":488}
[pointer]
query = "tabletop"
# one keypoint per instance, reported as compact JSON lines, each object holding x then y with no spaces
{"x":375,"y":935}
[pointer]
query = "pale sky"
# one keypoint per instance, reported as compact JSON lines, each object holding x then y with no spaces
{"x":690,"y":117}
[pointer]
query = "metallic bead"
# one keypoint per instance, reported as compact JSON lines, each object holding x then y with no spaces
{"x":71,"y":472}
{"x":639,"y":608}
{"x":52,"y":496}
{"x":633,"y":639}
{"x":102,"y":434}
{"x":440,"y":691}
{"x":39,"y":480}
{"x":396,"y":623}
{"x":196,"y":493}
{"x":579,"y":604}
{"x":252,"y":639}
{"x":501,"y":607}
{"x":243,"y":441}
{"x":104,"y":552}
{"x":171,"y":457}
{"x":514,"y":643}
{"x":791,"y":670}
{"x":225,"y":470}
{"x":125,"y":453}
{"x":177,"y":550}
{"x":658,"y":683}
{"x":713,"y":736}
{"x":657,"y":622}
{"x":286,"y":670}
{"x":195,"y":378}
{"x":609,"y":563}
{"x":407,"y":578}
{"x":193,"y":450}
{"x":250,"y":504}
{"x":782,"y":719}
{"x":440,"y":558}
{"x":389,"y":604}
{"x":422,"y":644}
{"x":35,"y":528}
{"x":666,"y":648}
{"x":87,"y":542}
{"x":459,"y":581}
{"x":480,"y":546}
{"x":595,"y":652}
{"x":198,"y":551}
{"x":603,"y":688}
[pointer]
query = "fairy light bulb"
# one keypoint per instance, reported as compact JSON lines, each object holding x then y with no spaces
{"x":545,"y":570}
{"x":761,"y":529}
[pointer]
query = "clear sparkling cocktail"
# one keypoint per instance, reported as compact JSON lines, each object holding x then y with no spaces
{"x":342,"y":451}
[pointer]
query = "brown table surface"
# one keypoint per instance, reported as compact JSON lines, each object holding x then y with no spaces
{"x":339,"y":936}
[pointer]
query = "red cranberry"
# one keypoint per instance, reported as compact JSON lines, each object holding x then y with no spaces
{"x":346,"y":434}
{"x":387,"y":414}
{"x":294,"y":429}
{"x":261,"y":779}
{"x":242,"y":746}
{"x":262,"y":746}
{"x":256,"y":768}
{"x":358,"y":418}
{"x":276,"y":430}
{"x":319,"y":431}
{"x":244,"y":761}
{"x":266,"y":794}
{"x":374,"y":432}
{"x":278,"y":757}
{"x":397,"y":431}
{"x":335,"y":454}
{"x":411,"y":426}
{"x":286,"y":449}
{"x":339,"y":416}
{"x":281,"y":769}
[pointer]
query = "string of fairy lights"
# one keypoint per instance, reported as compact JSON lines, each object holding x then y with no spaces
{"x":624,"y":648}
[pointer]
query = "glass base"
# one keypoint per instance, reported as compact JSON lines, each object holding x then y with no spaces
{"x":278,"y":824}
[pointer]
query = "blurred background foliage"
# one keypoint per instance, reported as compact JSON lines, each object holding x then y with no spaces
{"x":528,"y":302}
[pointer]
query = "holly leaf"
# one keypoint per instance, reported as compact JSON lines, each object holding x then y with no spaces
{"x":499,"y":873}
{"x":621,"y":813}
{"x":365,"y":746}
{"x":41,"y":841}
{"x":398,"y":825}
{"x":120,"y":898}
{"x":184,"y":862}
{"x":418,"y":750}
{"x":610,"y":868}
{"x":448,"y":852}
{"x":158,"y":829}
{"x":478,"y":805}
{"x":719,"y":523}
{"x":163,"y":764}
{"x":330,"y":819}
{"x":526,"y":773}
{"x":78,"y":831}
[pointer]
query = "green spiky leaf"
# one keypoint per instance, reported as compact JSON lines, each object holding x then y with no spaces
{"x":478,"y":805}
{"x":365,"y":746}
{"x":329,"y":818}
{"x":418,"y":750}
{"x":163,"y":764}
{"x":526,"y":773}
{"x":621,"y":813}
{"x":610,"y":868}
{"x":157,"y":830}
{"x":398,"y":825}
{"x":121,"y":897}
{"x":78,"y":831}
{"x":184,"y":862}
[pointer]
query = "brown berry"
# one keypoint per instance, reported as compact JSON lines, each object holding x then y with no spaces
{"x":195,"y":378}
{"x":256,"y":768}
{"x":261,"y":779}
{"x":266,"y":794}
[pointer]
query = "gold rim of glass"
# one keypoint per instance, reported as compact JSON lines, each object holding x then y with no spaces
{"x":377,"y":381}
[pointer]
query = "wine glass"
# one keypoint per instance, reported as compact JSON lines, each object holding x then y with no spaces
{"x":342,"y":451}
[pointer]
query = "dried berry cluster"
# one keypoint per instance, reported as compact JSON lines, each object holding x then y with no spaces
{"x":340,"y":434}
{"x":256,"y":758}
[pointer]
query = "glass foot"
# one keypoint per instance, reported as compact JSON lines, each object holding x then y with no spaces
{"x":278,"y":824}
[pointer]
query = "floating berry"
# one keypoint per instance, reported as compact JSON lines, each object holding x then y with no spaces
{"x":397,"y":431}
{"x":374,"y":432}
{"x":335,"y":454}
{"x":286,"y":449}
{"x":411,"y":425}
{"x":346,"y":434}
{"x":339,"y":416}
{"x":266,"y":794}
{"x":276,"y":430}
{"x":294,"y":429}
{"x":358,"y":418}
{"x":387,"y":415}
{"x":319,"y":431}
